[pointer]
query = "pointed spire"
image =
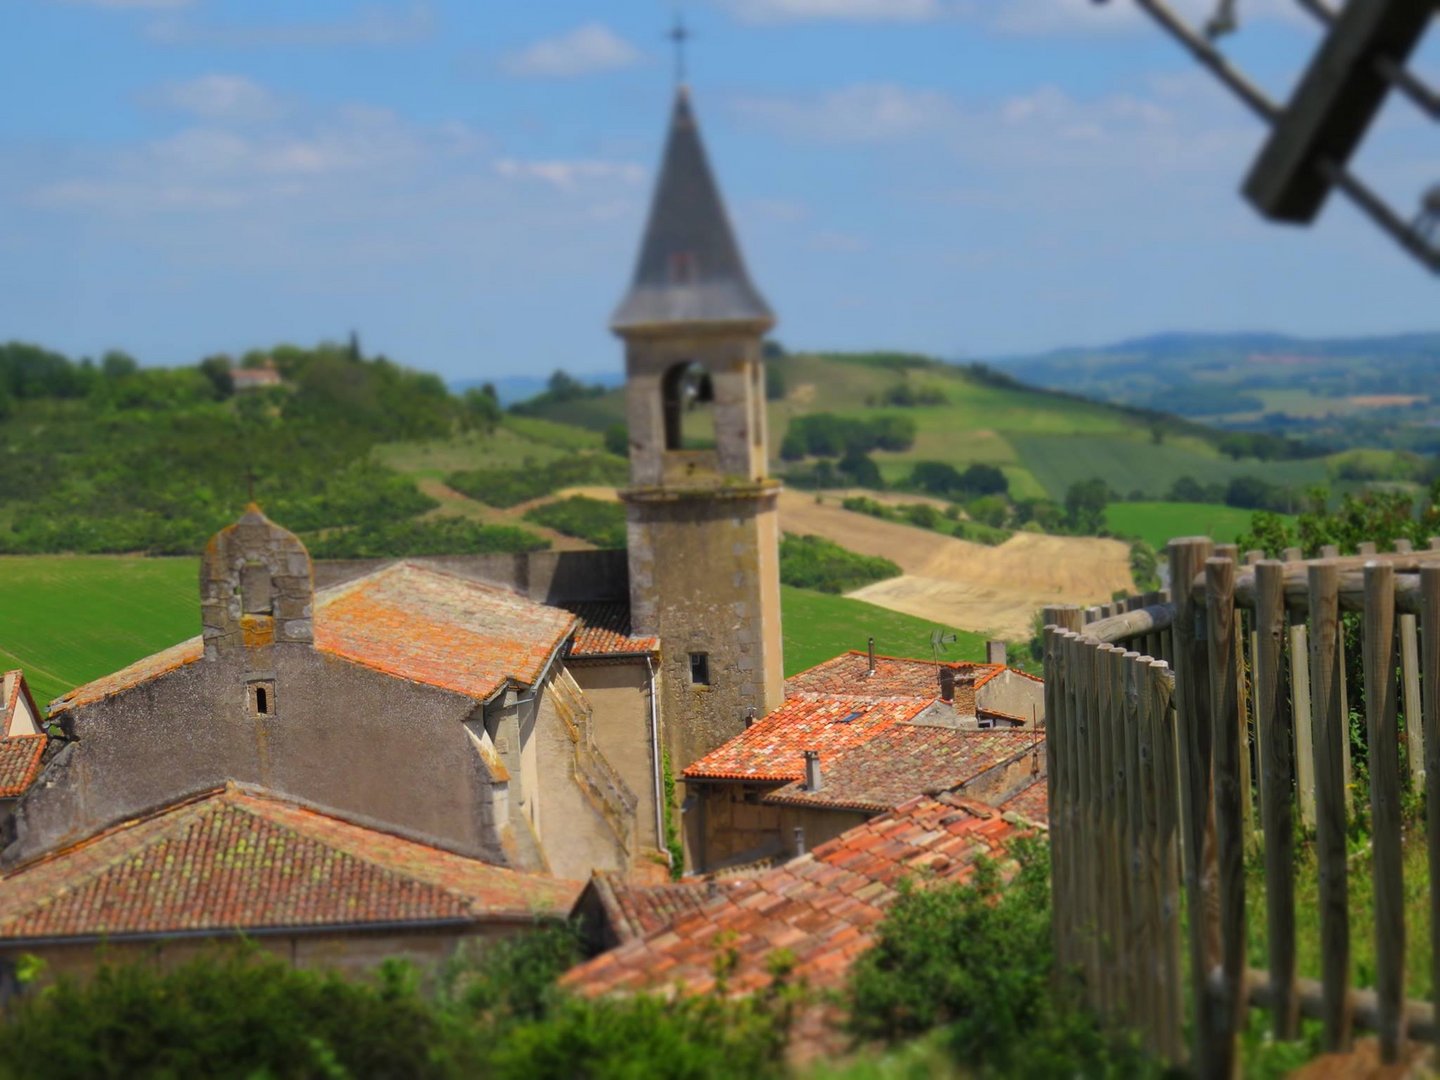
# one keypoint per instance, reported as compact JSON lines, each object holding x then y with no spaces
{"x":690,"y":268}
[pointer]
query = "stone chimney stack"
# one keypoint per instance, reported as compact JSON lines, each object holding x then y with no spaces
{"x":947,"y":684}
{"x":995,"y":652}
{"x":812,"y":770}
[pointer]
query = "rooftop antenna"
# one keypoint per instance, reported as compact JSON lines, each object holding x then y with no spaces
{"x":679,"y":34}
{"x":938,"y":640}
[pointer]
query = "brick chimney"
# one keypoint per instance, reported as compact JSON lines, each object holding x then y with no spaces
{"x":995,"y":652}
{"x":947,"y":684}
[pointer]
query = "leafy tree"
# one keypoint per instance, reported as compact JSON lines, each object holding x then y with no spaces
{"x":861,"y":470}
{"x":812,"y":562}
{"x":116,"y":364}
{"x":1085,"y":503}
{"x":601,"y":523}
{"x":981,"y":479}
{"x":1187,"y":489}
{"x":936,"y":477}
{"x":480,"y":410}
{"x":617,"y":440}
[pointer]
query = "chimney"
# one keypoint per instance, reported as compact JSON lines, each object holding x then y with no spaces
{"x":749,"y":717}
{"x":812,"y":770}
{"x":799,"y":840}
{"x":995,"y":652}
{"x":947,"y":684}
{"x":870,"y":653}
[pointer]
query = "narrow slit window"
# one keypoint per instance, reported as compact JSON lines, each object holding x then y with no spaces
{"x":262,"y":699}
{"x":699,"y":669}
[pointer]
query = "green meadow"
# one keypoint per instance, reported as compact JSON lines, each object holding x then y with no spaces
{"x":1159,"y":522}
{"x":72,"y":618}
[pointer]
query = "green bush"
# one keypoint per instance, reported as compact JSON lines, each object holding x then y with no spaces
{"x":510,"y":487}
{"x":812,"y":562}
{"x":601,"y":523}
{"x":432,"y":536}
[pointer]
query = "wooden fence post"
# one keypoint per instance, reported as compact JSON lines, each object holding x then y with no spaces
{"x":1304,"y":722}
{"x":1192,"y":709}
{"x":1273,"y":728}
{"x":1229,"y":799}
{"x":1167,"y":821}
{"x":1137,"y":931}
{"x":1384,"y":746}
{"x":1055,"y":779}
{"x":1410,"y":673}
{"x":1430,"y":704}
{"x":1328,"y":700}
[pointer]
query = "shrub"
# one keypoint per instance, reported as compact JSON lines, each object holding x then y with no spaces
{"x":812,"y":562}
{"x":601,"y":523}
{"x":510,"y":487}
{"x":431,"y":536}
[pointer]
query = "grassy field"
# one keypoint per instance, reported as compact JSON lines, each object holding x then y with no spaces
{"x":818,"y":626}
{"x":73,"y":618}
{"x":1158,"y":522}
{"x":70,"y":619}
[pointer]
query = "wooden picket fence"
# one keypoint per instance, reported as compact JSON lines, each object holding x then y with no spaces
{"x":1150,"y":703}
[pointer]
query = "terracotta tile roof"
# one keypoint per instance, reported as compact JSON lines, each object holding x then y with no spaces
{"x":823,"y":907}
{"x":633,"y":911}
{"x":19,"y":763}
{"x":1032,"y":802}
{"x":605,"y":631}
{"x":240,"y":859}
{"x":894,"y":676}
{"x":906,"y":760}
{"x":773,"y":748}
{"x":409,"y":621}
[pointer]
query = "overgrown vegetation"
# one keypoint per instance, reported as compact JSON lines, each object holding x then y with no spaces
{"x":601,"y":523}
{"x":812,"y":562}
{"x":829,"y":436}
{"x":510,"y":487}
{"x":926,"y":516}
{"x":427,"y":536}
{"x":495,"y":1012}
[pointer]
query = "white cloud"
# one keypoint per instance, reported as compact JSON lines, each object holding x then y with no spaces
{"x":371,"y":25}
{"x":568,"y":175}
{"x":772,"y":11}
{"x":585,"y":50}
{"x":865,"y":112}
{"x":219,"y":97}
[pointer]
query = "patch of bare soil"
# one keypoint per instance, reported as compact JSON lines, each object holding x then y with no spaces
{"x":965,"y":585}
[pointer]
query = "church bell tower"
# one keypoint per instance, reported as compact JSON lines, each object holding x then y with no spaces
{"x":703,"y":529}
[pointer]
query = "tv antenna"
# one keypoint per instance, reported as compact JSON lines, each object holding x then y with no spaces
{"x":938,"y":640}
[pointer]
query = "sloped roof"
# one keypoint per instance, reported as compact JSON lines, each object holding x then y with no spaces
{"x":14,"y":689}
{"x":690,"y":269}
{"x":633,"y":911}
{"x":19,"y":763}
{"x":405,"y":620}
{"x":823,"y":907}
{"x":905,"y":760}
{"x":773,"y":748}
{"x":894,"y":676}
{"x":604,"y":631}
{"x":1032,"y":802}
{"x":241,"y":859}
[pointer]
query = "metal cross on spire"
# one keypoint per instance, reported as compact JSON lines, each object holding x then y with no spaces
{"x":679,"y":34}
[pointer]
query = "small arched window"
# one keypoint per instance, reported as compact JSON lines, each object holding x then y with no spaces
{"x":688,"y":393}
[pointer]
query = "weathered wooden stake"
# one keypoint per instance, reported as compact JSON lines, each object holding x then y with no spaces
{"x":1430,"y":705}
{"x":1304,"y":722}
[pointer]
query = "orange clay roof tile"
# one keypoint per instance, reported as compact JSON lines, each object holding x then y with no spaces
{"x":605,"y":631}
{"x":823,"y":936}
{"x":19,"y":763}
{"x":773,"y":748}
{"x":894,"y":676}
{"x":257,"y":862}
{"x":409,"y":621}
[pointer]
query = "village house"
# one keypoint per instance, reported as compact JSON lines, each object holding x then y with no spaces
{"x":22,"y":741}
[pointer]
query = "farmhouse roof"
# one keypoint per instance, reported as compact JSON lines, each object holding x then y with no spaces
{"x":823,"y":907}
{"x":632,"y":910}
{"x":405,"y":620}
{"x":13,"y":691}
{"x":604,"y":632}
{"x":690,"y":269}
{"x":773,"y":748}
{"x":906,"y":760}
{"x":19,"y":763}
{"x":894,"y":676}
{"x":255,"y":862}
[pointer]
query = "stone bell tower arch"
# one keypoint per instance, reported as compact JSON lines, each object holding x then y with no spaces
{"x":703,"y":529}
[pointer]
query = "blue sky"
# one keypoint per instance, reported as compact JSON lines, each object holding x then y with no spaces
{"x":464,"y":181}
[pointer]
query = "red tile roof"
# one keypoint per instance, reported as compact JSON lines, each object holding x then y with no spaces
{"x":1032,"y":802}
{"x":773,"y":748}
{"x":19,"y":763}
{"x":605,"y":631}
{"x":894,"y":676}
{"x":409,"y":621}
{"x":241,"y":859}
{"x":906,"y":760}
{"x":823,"y":907}
{"x":633,"y":911}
